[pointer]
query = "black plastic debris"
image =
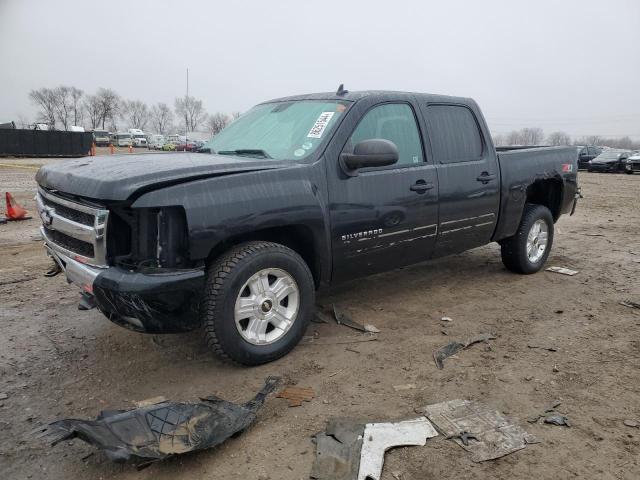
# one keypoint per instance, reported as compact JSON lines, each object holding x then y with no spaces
{"x":630,"y":304}
{"x":342,"y":318}
{"x":454,"y":347}
{"x":338,"y":450}
{"x":154,"y":432}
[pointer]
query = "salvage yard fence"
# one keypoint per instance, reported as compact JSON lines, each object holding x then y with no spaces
{"x":44,"y":143}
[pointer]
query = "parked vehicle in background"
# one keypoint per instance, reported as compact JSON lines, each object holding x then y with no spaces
{"x":297,"y":193}
{"x":139,"y":138}
{"x":189,"y":146}
{"x":611,"y":160}
{"x":101,"y":138}
{"x":156,"y":142}
{"x":586,"y":153}
{"x":169,"y":147}
{"x":633,"y":163}
{"x":7,"y":125}
{"x":122,"y":139}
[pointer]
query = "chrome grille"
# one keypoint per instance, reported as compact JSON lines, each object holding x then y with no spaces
{"x":74,"y":229}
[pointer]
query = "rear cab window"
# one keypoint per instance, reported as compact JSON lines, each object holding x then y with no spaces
{"x":454,"y":133}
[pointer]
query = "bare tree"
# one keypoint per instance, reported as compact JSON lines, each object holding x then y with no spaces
{"x":235,"y":115}
{"x":513,"y":138}
{"x":93,"y":107}
{"x":110,"y":104}
{"x":191,"y":110}
{"x":499,"y":140}
{"x":161,"y":118}
{"x":136,"y":113}
{"x":559,"y":138}
{"x":216,"y":122}
{"x":525,"y":136}
{"x":76,"y":105}
{"x":62,"y":105}
{"x":532,"y":136}
{"x":45,"y":99}
{"x":23,"y":121}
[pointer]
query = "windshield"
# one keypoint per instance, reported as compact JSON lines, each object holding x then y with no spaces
{"x":281,"y":131}
{"x":100,"y":133}
{"x":610,"y":154}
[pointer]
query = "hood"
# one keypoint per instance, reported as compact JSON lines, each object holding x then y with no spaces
{"x":605,"y":160}
{"x":118,"y":177}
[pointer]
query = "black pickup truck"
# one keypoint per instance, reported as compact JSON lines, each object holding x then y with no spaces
{"x":297,"y":193}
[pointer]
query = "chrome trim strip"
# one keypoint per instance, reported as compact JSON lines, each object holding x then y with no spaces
{"x":467,"y":219}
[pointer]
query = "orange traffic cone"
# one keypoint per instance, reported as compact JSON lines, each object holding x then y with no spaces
{"x":14,"y":210}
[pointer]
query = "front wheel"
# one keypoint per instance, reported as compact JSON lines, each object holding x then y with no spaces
{"x":258,"y":301}
{"x":527,"y":251}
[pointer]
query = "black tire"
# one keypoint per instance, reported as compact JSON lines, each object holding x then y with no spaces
{"x":629,"y":172}
{"x":227,"y":275}
{"x":514,"y":249}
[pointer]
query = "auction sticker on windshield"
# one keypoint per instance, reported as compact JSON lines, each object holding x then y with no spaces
{"x":321,"y":124}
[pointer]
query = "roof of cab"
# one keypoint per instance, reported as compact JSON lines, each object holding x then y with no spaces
{"x":382,"y":94}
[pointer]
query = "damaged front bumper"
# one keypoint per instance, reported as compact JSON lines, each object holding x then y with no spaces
{"x":165,"y":302}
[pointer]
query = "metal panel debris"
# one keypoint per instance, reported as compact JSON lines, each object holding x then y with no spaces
{"x":484,"y":432}
{"x":350,"y":450}
{"x":380,"y":437}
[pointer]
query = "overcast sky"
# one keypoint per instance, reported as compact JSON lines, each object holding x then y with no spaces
{"x":568,"y":65}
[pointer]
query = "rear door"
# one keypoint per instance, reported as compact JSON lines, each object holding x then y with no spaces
{"x":384,"y":217}
{"x":468,"y":177}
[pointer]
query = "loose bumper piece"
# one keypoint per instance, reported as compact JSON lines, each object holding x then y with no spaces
{"x":155,"y":432}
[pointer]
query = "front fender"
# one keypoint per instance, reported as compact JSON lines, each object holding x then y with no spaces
{"x":233,"y":205}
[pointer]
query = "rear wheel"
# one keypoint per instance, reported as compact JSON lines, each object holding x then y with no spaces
{"x":527,"y":251}
{"x":258,"y":302}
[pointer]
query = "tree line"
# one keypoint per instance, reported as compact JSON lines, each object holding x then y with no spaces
{"x":62,"y":107}
{"x":536,"y":136}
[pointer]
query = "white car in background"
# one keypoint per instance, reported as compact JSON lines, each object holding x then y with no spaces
{"x":156,"y":142}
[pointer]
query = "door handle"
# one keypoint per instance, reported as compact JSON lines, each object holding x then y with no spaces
{"x":485,"y":177}
{"x":421,"y":186}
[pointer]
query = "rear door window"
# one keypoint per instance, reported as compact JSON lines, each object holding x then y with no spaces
{"x":454,"y":134}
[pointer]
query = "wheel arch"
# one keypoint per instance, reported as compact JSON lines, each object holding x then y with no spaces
{"x":547,"y":192}
{"x":297,"y":237}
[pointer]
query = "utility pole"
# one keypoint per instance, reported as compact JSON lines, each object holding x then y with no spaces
{"x":186,"y":115}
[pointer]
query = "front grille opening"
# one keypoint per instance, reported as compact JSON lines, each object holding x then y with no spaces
{"x":70,"y":213}
{"x":72,"y":244}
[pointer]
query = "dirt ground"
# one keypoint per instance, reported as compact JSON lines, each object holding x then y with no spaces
{"x":56,"y":361}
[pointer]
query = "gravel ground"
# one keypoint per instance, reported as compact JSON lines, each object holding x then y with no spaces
{"x":56,"y":361}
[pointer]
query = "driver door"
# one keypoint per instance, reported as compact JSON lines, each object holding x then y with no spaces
{"x":384,"y":217}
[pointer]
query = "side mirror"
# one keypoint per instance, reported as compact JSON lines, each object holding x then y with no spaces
{"x":375,"y":152}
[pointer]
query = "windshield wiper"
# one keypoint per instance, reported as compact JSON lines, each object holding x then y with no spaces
{"x":249,"y":152}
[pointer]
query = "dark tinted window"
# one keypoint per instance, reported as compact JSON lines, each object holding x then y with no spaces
{"x":394,"y":122}
{"x":454,"y":134}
